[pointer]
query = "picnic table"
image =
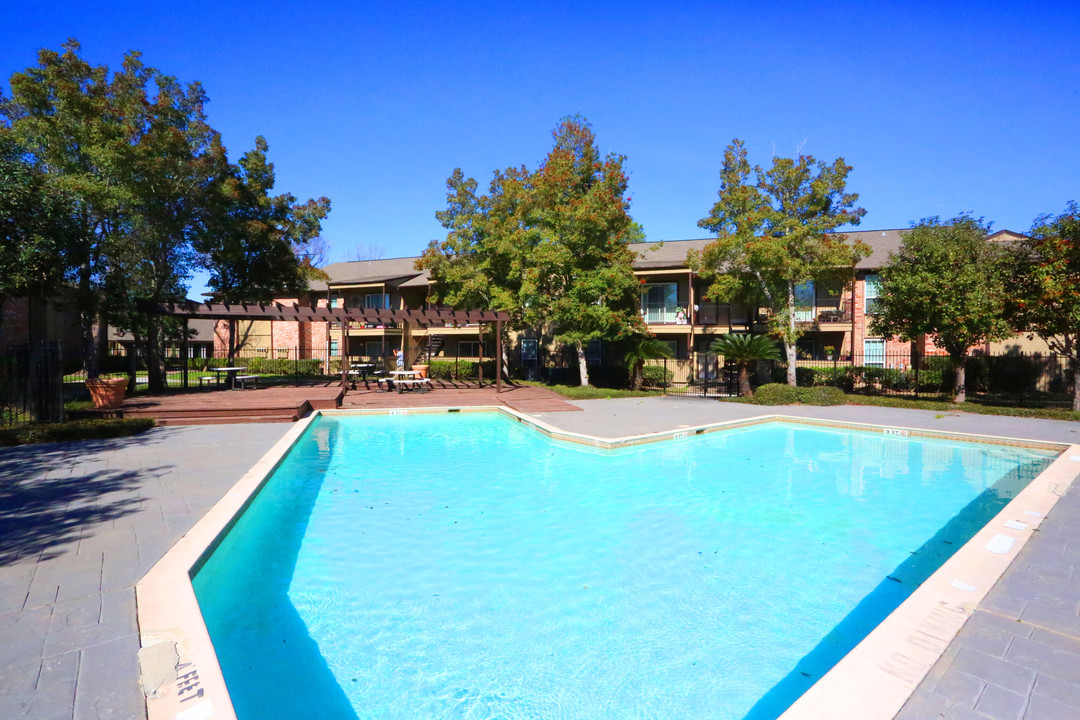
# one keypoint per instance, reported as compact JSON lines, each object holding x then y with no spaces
{"x":230,"y":374}
{"x":409,"y":379}
{"x":359,"y":369}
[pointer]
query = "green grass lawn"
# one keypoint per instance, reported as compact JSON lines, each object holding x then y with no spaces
{"x":576,"y":392}
{"x":975,"y":406}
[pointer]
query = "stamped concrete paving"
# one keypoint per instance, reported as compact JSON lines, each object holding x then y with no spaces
{"x":80,"y":524}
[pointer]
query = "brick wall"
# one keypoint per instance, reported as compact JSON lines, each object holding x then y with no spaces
{"x":16,"y":321}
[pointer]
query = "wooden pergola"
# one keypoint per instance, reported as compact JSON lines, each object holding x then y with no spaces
{"x":298,"y":312}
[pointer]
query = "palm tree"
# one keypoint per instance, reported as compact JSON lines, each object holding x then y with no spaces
{"x":743,"y":350}
{"x":642,"y":348}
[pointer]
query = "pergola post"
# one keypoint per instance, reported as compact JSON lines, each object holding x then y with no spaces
{"x":498,"y":356}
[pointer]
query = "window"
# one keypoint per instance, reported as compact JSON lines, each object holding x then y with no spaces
{"x":659,"y":302}
{"x":333,"y":348}
{"x":377,"y":301}
{"x":529,"y":347}
{"x":373,"y":348}
{"x":594,"y":350}
{"x":470,"y":348}
{"x":873,"y":292}
{"x":874,"y":352}
{"x":804,"y":302}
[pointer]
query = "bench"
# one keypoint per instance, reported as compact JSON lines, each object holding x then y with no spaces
{"x":242,"y":379}
{"x":208,"y":379}
{"x":420,"y":384}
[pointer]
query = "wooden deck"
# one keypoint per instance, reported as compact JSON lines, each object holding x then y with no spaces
{"x":213,"y":406}
{"x":287,"y":404}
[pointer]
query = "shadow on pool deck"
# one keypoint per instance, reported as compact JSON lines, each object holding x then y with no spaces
{"x":39,"y":515}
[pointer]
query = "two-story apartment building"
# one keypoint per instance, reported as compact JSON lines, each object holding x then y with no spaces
{"x":836,"y":320}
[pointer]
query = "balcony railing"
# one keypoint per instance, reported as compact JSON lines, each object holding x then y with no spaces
{"x":834,"y":313}
{"x":723,"y":315}
{"x":664,"y":315}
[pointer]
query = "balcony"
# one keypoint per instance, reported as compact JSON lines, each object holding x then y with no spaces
{"x":664,"y":315}
{"x":835,"y":312}
{"x":713,"y":314}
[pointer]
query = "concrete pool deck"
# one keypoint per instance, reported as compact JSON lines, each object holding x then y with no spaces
{"x":81,"y":523}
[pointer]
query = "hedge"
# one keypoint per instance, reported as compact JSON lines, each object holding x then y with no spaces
{"x":459,"y":369}
{"x":656,"y":376}
{"x":782,"y":394}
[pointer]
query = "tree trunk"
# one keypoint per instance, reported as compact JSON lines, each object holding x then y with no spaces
{"x":744,"y":381}
{"x":87,"y":320}
{"x":582,"y":366}
{"x":636,"y":376}
{"x":1076,"y":385}
{"x":155,"y":362}
{"x":960,"y":389}
{"x":789,"y":341}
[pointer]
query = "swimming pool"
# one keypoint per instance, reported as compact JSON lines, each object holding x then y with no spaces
{"x":468,"y":566}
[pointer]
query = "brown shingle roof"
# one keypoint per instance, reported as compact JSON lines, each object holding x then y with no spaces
{"x":651,"y":256}
{"x":356,"y":272}
{"x":672,"y":253}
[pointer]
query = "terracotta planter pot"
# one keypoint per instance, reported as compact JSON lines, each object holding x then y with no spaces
{"x":422,"y":369}
{"x":107,"y":393}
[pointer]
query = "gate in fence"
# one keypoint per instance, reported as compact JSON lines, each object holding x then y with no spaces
{"x":31,"y":383}
{"x":698,"y":375}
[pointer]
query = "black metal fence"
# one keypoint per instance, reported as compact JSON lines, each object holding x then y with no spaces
{"x":1016,"y":378}
{"x":699,"y":375}
{"x":31,"y":383}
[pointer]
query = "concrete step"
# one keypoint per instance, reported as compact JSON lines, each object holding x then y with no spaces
{"x":231,"y":420}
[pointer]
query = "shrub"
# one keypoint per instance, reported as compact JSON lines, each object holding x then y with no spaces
{"x":96,"y":429}
{"x":459,"y":369}
{"x":823,"y":395}
{"x":782,"y":394}
{"x":838,"y":377}
{"x":804,"y":376}
{"x":656,"y":376}
{"x":776,"y":394}
{"x":274,"y":366}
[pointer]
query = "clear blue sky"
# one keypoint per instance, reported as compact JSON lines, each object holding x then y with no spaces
{"x":940,"y":107}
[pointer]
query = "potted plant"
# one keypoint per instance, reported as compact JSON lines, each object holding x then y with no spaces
{"x":107,"y":393}
{"x":829,"y":350}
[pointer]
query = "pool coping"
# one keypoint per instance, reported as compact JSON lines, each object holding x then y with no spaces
{"x":182,"y":680}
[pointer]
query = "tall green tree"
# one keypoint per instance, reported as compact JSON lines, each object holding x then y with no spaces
{"x":549,"y":246}
{"x":1048,"y":280}
{"x":775,"y":231}
{"x":36,"y":227}
{"x":69,"y":115}
{"x":948,"y":282}
{"x":254,"y":241}
{"x":169,"y":167}
{"x":151,"y":195}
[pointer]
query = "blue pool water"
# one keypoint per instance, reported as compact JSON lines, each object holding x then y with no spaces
{"x":466,"y":566}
